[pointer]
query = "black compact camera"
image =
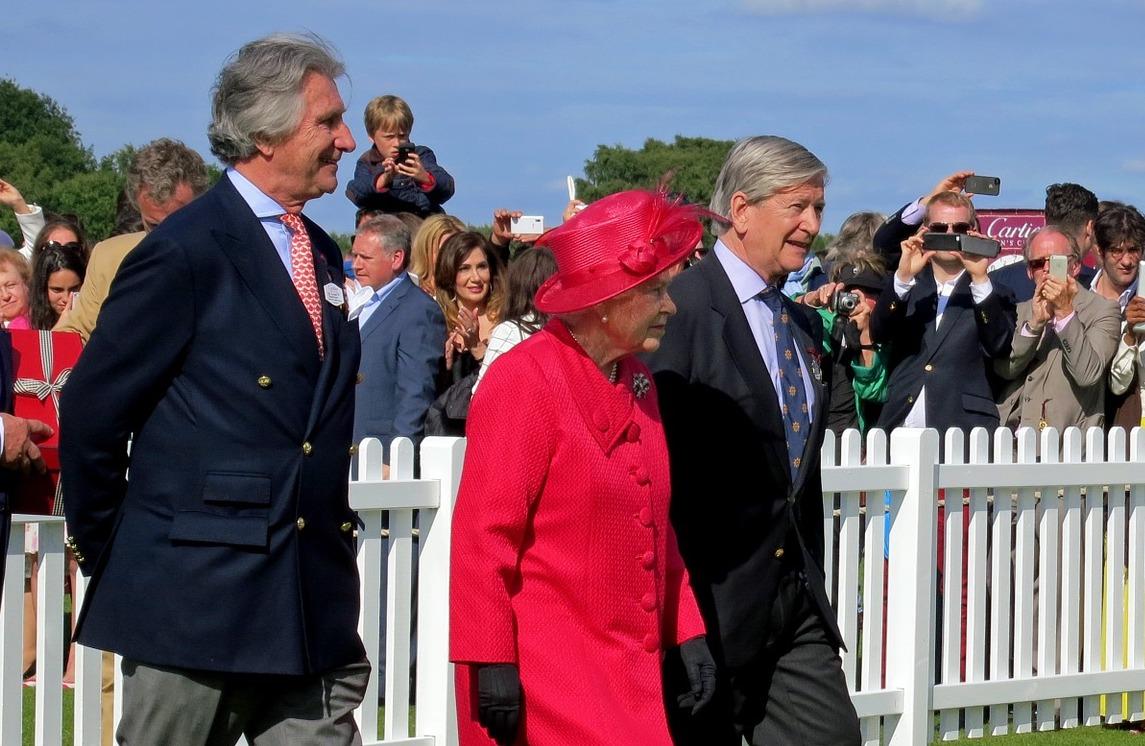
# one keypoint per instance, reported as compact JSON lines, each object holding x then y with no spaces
{"x":844,"y":302}
{"x":404,"y":150}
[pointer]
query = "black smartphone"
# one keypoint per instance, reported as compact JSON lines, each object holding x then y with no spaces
{"x":403,"y":152}
{"x":989,"y":185}
{"x":986,"y":247}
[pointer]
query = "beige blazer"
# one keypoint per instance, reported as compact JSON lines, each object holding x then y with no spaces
{"x":1060,"y":379}
{"x":101,"y":268}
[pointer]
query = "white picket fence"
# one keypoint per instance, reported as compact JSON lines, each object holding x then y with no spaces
{"x":1026,"y":507}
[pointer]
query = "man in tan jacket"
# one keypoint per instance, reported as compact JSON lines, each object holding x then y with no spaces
{"x":1065,"y":339}
{"x":164,"y":176}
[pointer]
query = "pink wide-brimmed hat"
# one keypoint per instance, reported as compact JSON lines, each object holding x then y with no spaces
{"x":615,"y":244}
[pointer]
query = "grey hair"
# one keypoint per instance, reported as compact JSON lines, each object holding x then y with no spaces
{"x":855,"y":237}
{"x":160,"y":166}
{"x":761,"y":166}
{"x":391,"y":232}
{"x":257,"y":96}
{"x":1074,"y":246}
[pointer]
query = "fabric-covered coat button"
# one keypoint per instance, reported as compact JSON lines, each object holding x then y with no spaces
{"x":641,"y":476}
{"x":648,"y":603}
{"x":645,"y":517}
{"x":633,"y":433}
{"x":648,"y":560}
{"x":651,"y":643}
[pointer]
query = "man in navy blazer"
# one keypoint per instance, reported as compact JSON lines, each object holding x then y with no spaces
{"x":224,"y":570}
{"x":944,"y":323}
{"x":747,"y":498}
{"x":403,"y":336}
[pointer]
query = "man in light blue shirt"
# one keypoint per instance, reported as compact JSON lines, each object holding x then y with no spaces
{"x":403,"y":336}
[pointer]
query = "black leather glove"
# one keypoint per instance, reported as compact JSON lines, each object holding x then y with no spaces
{"x":499,"y":701}
{"x":701,"y":671}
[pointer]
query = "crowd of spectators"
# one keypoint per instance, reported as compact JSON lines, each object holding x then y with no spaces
{"x":916,"y":337}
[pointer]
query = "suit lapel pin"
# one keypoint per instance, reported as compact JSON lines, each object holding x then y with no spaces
{"x":640,"y":385}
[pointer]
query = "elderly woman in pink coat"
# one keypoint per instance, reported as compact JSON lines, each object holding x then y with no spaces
{"x":567,"y":586}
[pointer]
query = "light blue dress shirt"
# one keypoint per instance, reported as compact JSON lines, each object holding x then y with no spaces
{"x":267,"y":211}
{"x":748,"y":285}
{"x":376,"y":299}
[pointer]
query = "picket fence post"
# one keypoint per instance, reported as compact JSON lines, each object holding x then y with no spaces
{"x":910,"y":596}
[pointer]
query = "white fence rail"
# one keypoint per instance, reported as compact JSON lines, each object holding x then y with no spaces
{"x":1036,"y":622}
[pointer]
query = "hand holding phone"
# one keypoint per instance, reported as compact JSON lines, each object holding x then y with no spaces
{"x":1139,"y":328}
{"x":404,"y":149}
{"x":527,"y":225}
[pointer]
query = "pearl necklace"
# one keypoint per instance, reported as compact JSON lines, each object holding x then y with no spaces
{"x":613,"y":373}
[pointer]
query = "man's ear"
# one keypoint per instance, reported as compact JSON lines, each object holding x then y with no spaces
{"x":264,"y":148}
{"x":738,"y":211}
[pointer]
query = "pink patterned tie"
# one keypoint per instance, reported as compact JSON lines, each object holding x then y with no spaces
{"x":302,"y":267}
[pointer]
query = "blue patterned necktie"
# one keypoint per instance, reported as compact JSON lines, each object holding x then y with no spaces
{"x":793,"y":399}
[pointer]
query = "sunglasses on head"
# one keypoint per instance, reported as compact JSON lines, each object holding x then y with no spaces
{"x":949,"y":227}
{"x":69,"y":246}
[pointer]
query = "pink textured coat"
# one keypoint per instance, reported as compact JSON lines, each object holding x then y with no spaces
{"x":563,"y":558}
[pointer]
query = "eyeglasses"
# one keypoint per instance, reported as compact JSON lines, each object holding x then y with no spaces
{"x":69,"y":246}
{"x":1121,"y":251}
{"x":950,"y":227}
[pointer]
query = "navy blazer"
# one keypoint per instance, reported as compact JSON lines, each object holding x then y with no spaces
{"x":735,"y":510}
{"x":231,"y":548}
{"x":403,"y":342}
{"x":953,"y":361}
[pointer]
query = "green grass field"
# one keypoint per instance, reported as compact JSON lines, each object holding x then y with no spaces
{"x":1075,"y":737}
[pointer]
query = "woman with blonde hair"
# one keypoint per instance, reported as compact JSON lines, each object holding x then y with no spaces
{"x":427,"y":242}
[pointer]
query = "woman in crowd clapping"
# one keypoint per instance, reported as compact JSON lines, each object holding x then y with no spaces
{"x":469,"y":288}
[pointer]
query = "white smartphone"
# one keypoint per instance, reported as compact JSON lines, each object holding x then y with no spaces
{"x":1059,"y":266}
{"x":527,"y":224}
{"x":572,"y":187}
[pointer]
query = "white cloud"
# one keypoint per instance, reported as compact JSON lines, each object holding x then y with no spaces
{"x":1136,"y":166}
{"x":949,"y":9}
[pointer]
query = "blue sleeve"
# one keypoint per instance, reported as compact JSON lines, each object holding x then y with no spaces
{"x":443,"y":183}
{"x":361,"y":187}
{"x":421,"y":345}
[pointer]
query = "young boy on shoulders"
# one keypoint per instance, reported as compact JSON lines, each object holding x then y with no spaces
{"x":393,"y":178}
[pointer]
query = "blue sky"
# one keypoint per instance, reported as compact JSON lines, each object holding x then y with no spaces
{"x":512,"y":96}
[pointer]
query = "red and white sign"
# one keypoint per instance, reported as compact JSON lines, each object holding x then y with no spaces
{"x":1010,"y":228}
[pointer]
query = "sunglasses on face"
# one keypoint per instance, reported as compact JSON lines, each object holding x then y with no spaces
{"x":949,"y":227}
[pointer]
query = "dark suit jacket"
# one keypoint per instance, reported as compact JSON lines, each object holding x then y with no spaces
{"x":953,"y":361}
{"x":402,"y":345}
{"x":740,"y":521}
{"x":5,"y":477}
{"x":230,"y":549}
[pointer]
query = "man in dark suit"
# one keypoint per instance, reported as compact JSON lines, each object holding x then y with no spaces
{"x":403,"y":336}
{"x":943,"y":323}
{"x":224,"y":570}
{"x":743,"y":393}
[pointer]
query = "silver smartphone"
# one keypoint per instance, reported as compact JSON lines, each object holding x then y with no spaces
{"x":1137,"y":328}
{"x":1059,"y":267}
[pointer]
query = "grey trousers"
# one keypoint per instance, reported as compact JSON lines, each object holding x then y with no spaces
{"x":180,"y":707}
